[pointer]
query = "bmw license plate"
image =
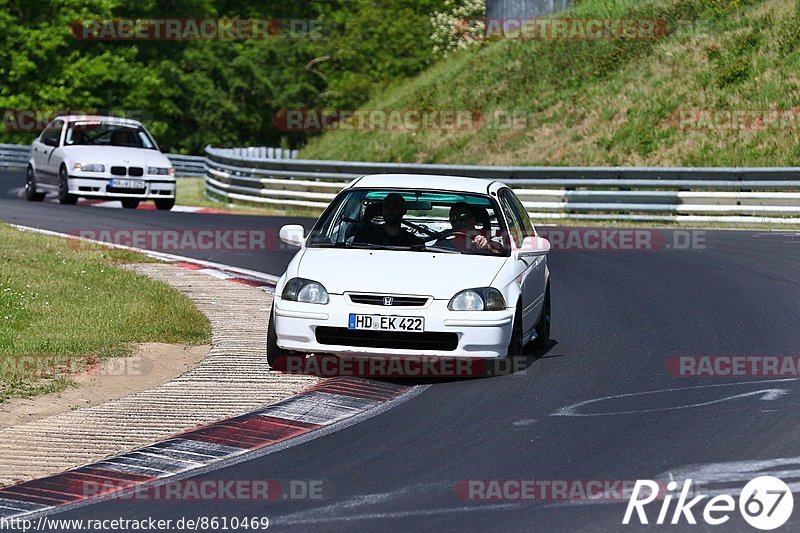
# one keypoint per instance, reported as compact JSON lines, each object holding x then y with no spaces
{"x":127,"y":184}
{"x":386,"y":323}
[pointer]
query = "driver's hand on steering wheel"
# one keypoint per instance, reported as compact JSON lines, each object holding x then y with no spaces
{"x":481,"y":242}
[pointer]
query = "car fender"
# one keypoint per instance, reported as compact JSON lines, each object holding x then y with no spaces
{"x":508,"y":283}
{"x":291,"y":272}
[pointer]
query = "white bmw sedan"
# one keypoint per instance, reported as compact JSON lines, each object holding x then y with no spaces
{"x":414,"y":265}
{"x":99,"y":157}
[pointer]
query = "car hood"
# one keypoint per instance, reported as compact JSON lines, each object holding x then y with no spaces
{"x":117,"y":155}
{"x":440,"y":275}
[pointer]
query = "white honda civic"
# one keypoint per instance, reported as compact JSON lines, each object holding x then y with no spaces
{"x":99,"y":157}
{"x":414,"y":265}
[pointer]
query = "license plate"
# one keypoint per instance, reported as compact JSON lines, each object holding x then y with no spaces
{"x":386,"y":323}
{"x":127,"y":184}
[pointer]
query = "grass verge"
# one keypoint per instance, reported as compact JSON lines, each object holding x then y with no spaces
{"x":608,"y":102}
{"x":63,"y":307}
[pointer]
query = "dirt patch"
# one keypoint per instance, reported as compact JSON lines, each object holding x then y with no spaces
{"x":152,"y":364}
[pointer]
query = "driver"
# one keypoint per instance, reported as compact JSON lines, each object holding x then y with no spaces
{"x":390,"y":233}
{"x":464,"y":236}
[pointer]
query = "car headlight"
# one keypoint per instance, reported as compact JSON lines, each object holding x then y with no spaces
{"x":483,"y":299}
{"x":160,"y":171}
{"x":89,"y":167}
{"x":305,"y":291}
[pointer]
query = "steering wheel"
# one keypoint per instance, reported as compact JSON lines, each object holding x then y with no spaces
{"x":451,"y":232}
{"x":420,"y":228}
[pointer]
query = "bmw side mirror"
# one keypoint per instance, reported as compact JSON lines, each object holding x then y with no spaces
{"x":533,"y":246}
{"x":49,"y":141}
{"x":293,"y":234}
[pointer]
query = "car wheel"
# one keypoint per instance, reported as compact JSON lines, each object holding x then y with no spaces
{"x":30,"y":187}
{"x":515,"y":345}
{"x":278,"y":358}
{"x":130,"y":203}
{"x":543,"y":326}
{"x":165,"y":204}
{"x":64,"y":196}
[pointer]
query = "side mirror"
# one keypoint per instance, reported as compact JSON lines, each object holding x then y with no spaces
{"x":165,"y":149}
{"x":533,"y":247}
{"x":293,"y":234}
{"x":49,"y":141}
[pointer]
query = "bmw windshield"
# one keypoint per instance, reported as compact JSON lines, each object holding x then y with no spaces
{"x":419,"y":220}
{"x":108,"y":133}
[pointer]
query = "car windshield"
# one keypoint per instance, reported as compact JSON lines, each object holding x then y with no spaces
{"x":419,"y":220}
{"x":108,"y":133}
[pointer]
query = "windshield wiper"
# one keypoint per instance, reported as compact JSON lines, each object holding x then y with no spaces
{"x":442,"y":249}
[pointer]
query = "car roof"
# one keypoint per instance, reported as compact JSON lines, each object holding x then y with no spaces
{"x":95,"y":118}
{"x":424,"y":181}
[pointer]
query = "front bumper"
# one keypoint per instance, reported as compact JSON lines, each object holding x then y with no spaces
{"x":99,"y":187}
{"x":479,"y":333}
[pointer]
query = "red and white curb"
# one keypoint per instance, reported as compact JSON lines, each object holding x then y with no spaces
{"x":323,"y":405}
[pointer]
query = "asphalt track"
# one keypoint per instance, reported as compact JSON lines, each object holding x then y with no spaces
{"x":617,"y":318}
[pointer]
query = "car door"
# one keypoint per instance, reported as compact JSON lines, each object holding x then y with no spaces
{"x":532,"y":280}
{"x":47,"y":170}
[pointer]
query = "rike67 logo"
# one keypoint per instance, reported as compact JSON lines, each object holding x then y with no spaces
{"x":765,"y":503}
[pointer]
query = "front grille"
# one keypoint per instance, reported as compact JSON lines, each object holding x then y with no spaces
{"x":125,"y":191}
{"x":379,"y":299}
{"x":118,"y":171}
{"x":135,"y":171}
{"x":401,"y":340}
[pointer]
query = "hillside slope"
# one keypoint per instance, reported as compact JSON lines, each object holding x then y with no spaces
{"x":719,"y":88}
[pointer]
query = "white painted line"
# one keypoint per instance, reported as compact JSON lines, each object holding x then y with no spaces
{"x":765,"y":394}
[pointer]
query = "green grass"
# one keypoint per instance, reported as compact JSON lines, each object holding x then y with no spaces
{"x":62,"y":307}
{"x":606,"y":102}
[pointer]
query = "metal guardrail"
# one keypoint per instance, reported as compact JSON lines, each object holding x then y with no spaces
{"x":706,"y":194}
{"x":16,"y":156}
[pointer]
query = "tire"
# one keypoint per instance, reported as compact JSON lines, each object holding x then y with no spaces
{"x":64,"y":197}
{"x":542,"y":339}
{"x":30,"y":187}
{"x":165,"y":204}
{"x":515,"y":345}
{"x":130,"y":203}
{"x":278,"y":358}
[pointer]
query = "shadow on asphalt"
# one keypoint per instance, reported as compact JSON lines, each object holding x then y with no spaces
{"x":416,"y":370}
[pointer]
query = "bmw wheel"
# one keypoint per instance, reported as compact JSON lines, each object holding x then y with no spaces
{"x":64,"y":196}
{"x":30,"y":187}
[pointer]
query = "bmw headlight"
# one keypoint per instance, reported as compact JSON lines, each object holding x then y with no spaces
{"x":483,"y":299}
{"x":305,"y":291}
{"x":159,"y":171}
{"x":89,"y":167}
